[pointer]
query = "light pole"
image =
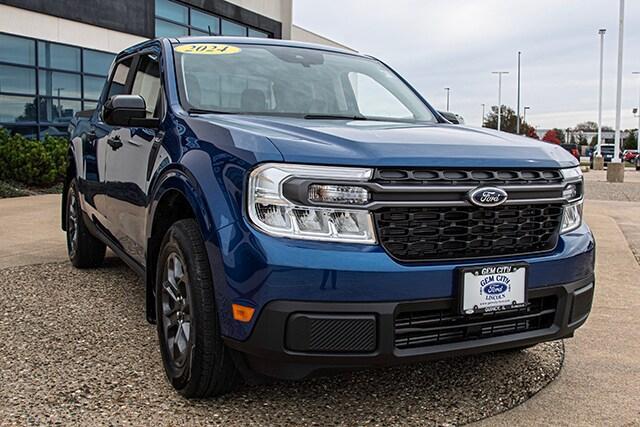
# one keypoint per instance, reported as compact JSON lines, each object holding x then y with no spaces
{"x":499,"y":73}
{"x":482,"y":123}
{"x":615,"y":171}
{"x":599,"y":163}
{"x":518,"y":103}
{"x":524,"y":119}
{"x":448,"y":89}
{"x":638,"y":132}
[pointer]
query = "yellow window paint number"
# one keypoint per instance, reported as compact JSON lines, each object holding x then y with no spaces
{"x":207,"y":49}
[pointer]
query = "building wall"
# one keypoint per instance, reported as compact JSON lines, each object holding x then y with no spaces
{"x":22,"y":22}
{"x":302,"y":35}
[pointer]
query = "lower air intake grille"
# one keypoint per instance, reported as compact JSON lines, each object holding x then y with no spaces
{"x":423,"y":328}
{"x":331,"y":333}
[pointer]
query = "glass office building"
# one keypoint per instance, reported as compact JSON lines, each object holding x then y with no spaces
{"x":175,"y":19}
{"x":43,"y":84}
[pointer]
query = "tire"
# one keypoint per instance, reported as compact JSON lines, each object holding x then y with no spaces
{"x":85,"y":250}
{"x":196,"y":361}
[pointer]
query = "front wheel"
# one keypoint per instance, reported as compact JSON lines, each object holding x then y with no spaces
{"x":196,"y":361}
{"x":84,"y":249}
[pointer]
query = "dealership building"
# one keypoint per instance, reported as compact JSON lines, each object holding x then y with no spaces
{"x":55,"y":54}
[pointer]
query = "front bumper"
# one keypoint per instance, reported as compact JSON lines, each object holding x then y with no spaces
{"x":294,"y":339}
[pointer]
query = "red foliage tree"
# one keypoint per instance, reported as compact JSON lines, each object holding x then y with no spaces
{"x":551,"y":136}
{"x":531,"y":132}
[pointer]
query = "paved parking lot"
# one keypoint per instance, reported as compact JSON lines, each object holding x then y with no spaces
{"x":78,"y":350}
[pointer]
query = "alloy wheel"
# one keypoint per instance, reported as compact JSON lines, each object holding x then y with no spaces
{"x":176,"y":310}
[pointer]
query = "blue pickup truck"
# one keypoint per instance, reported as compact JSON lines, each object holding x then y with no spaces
{"x":298,"y":209}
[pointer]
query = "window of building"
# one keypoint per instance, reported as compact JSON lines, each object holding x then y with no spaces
{"x":42,"y":84}
{"x":58,"y":56}
{"x":17,"y":79}
{"x":175,"y":19}
{"x":97,"y":62}
{"x":17,"y":50}
{"x":232,"y":29}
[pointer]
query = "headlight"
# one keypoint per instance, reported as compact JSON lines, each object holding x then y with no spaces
{"x":570,"y":173}
{"x":274,"y":214}
{"x":571,"y":217}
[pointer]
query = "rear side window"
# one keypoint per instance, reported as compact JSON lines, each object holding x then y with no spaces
{"x":118,"y":83}
{"x":146,"y":83}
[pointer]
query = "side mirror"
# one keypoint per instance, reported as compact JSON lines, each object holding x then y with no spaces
{"x":127,"y":111}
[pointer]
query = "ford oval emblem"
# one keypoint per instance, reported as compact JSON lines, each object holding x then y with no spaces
{"x":495,"y":288}
{"x":488,"y":196}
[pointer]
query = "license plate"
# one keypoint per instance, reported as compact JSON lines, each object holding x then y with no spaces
{"x":493,"y":288}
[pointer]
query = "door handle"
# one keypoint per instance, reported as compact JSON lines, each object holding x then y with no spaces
{"x":114,"y":142}
{"x":90,"y":136}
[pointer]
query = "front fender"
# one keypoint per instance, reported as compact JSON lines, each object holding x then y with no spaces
{"x":181,"y":181}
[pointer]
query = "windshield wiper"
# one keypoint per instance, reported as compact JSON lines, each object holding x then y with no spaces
{"x":333,"y":117}
{"x":203,"y":111}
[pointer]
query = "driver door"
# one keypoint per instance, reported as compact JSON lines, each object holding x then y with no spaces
{"x":128,"y":160}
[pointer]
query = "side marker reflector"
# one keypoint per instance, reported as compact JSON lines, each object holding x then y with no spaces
{"x":242,"y":313}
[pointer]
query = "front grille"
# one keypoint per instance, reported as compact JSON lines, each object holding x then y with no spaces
{"x":423,"y":328}
{"x":462,"y":232}
{"x":406,"y":176}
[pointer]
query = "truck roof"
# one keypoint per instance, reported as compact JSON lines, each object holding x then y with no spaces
{"x":258,"y":40}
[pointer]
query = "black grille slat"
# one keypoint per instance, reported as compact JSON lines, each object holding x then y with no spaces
{"x":406,"y":176}
{"x":420,"y":328}
{"x":463,"y":232}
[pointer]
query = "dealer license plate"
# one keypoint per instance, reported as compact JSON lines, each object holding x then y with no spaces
{"x":493,"y":288}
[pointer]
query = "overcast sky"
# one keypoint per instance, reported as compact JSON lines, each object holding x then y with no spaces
{"x":458,"y":43}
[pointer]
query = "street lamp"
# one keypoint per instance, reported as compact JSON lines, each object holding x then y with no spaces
{"x":499,"y":73}
{"x":615,"y":171}
{"x":482,"y":123}
{"x":448,"y":89}
{"x":601,"y":31}
{"x":524,"y":119}
{"x":518,"y":103}
{"x":638,"y":132}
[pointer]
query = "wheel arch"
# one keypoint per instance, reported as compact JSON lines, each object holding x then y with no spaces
{"x":176,"y":196}
{"x":71,"y":173}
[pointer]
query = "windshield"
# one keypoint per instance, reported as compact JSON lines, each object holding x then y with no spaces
{"x":288,"y":81}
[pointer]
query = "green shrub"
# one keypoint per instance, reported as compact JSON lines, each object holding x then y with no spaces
{"x":58,"y":149}
{"x":32,"y":162}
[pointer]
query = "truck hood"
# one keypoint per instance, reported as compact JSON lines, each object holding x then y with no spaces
{"x":376,"y":143}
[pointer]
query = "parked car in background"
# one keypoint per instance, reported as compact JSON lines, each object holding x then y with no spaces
{"x":637,"y":162}
{"x":573,"y":149}
{"x":608,"y":151}
{"x":454,"y":118}
{"x":629,"y":155}
{"x":297,"y":209}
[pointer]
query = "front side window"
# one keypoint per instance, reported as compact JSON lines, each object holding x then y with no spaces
{"x":118,"y":83}
{"x":278,"y":80}
{"x":146,"y":83}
